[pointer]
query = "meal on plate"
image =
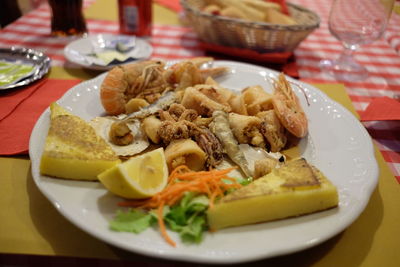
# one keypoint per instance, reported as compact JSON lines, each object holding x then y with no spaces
{"x":189,"y":154}
{"x":249,"y":10}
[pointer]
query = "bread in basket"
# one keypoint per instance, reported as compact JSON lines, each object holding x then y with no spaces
{"x":259,"y":36}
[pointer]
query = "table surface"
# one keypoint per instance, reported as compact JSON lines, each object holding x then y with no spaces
{"x":372,"y":239}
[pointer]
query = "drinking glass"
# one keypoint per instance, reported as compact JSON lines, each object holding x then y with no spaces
{"x":355,"y":23}
{"x":67,"y":17}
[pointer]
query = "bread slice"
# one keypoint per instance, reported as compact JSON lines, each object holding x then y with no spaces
{"x":295,"y":189}
{"x":275,"y":17}
{"x":73,"y":150}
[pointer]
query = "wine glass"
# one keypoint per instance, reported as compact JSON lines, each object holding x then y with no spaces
{"x":354,"y":23}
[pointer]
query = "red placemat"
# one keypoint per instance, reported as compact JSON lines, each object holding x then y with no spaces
{"x":171,"y":4}
{"x":382,"y":109}
{"x":26,"y":105}
{"x":283,"y":61}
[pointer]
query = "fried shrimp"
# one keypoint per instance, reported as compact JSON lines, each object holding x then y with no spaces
{"x":137,"y":80}
{"x":288,"y":109}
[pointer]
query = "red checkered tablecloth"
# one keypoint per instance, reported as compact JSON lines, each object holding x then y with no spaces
{"x":382,"y":59}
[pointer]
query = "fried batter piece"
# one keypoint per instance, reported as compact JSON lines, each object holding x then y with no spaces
{"x":120,"y":134}
{"x":172,"y":130}
{"x":272,"y":130}
{"x":264,"y":166}
{"x":246,"y":129}
{"x":194,"y":99}
{"x":210,"y":144}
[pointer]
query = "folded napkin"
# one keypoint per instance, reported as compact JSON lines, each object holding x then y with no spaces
{"x":10,"y":99}
{"x":21,"y":108}
{"x":382,"y":109}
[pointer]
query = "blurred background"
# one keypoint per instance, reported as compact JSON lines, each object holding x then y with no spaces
{"x":13,"y":9}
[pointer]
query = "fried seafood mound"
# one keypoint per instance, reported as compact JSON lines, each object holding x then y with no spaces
{"x":178,"y":123}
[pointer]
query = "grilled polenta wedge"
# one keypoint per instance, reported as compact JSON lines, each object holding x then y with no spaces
{"x":73,"y":150}
{"x":295,"y":189}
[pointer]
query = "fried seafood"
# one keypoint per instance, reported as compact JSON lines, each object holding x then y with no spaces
{"x":204,"y":105}
{"x":188,"y":73}
{"x":173,"y":130}
{"x":149,"y":80}
{"x":162,"y":103}
{"x":176,"y":123}
{"x":181,"y":123}
{"x":151,"y":126}
{"x":185,"y":152}
{"x":246,"y":129}
{"x":135,"y":104}
{"x":103,"y":125}
{"x":179,"y":113}
{"x":288,"y":109}
{"x":238,"y":105}
{"x":220,"y":127}
{"x":136,"y":80}
{"x":256,"y":100}
{"x":196,"y":119}
{"x":209,"y":144}
{"x":120,"y":134}
{"x":272,"y":130}
{"x":215,"y":92}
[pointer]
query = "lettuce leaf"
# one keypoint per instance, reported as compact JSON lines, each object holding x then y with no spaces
{"x":188,"y":218}
{"x":134,"y":220}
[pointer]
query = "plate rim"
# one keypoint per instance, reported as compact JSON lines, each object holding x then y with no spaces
{"x":244,"y":258}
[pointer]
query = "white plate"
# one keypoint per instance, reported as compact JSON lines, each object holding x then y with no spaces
{"x":78,"y":50}
{"x":337,"y":144}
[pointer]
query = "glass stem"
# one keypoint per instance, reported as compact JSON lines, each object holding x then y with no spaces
{"x":347,"y":54}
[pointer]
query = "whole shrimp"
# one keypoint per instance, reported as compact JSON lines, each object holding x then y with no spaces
{"x":288,"y":109}
{"x":122,"y":83}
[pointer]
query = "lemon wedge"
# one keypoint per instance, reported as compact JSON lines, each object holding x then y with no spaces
{"x":139,"y":177}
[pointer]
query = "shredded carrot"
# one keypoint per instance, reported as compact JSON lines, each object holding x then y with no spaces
{"x":162,"y":225}
{"x":182,"y":180}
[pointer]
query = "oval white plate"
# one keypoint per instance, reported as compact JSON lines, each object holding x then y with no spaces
{"x":77,"y":51}
{"x":337,"y":144}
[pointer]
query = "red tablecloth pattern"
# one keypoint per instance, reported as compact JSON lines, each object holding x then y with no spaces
{"x":382,"y":59}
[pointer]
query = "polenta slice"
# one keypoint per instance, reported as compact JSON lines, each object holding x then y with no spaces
{"x":73,"y":150}
{"x":295,"y":189}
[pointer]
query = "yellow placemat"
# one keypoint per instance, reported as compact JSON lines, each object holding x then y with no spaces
{"x":72,"y":73}
{"x":31,"y":225}
{"x":108,"y":10}
{"x":396,"y":8}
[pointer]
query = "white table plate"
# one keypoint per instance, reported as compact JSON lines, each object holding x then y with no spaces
{"x":77,"y":51}
{"x":337,"y":144}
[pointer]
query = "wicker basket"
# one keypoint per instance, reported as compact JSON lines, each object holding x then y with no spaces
{"x":258,"y":36}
